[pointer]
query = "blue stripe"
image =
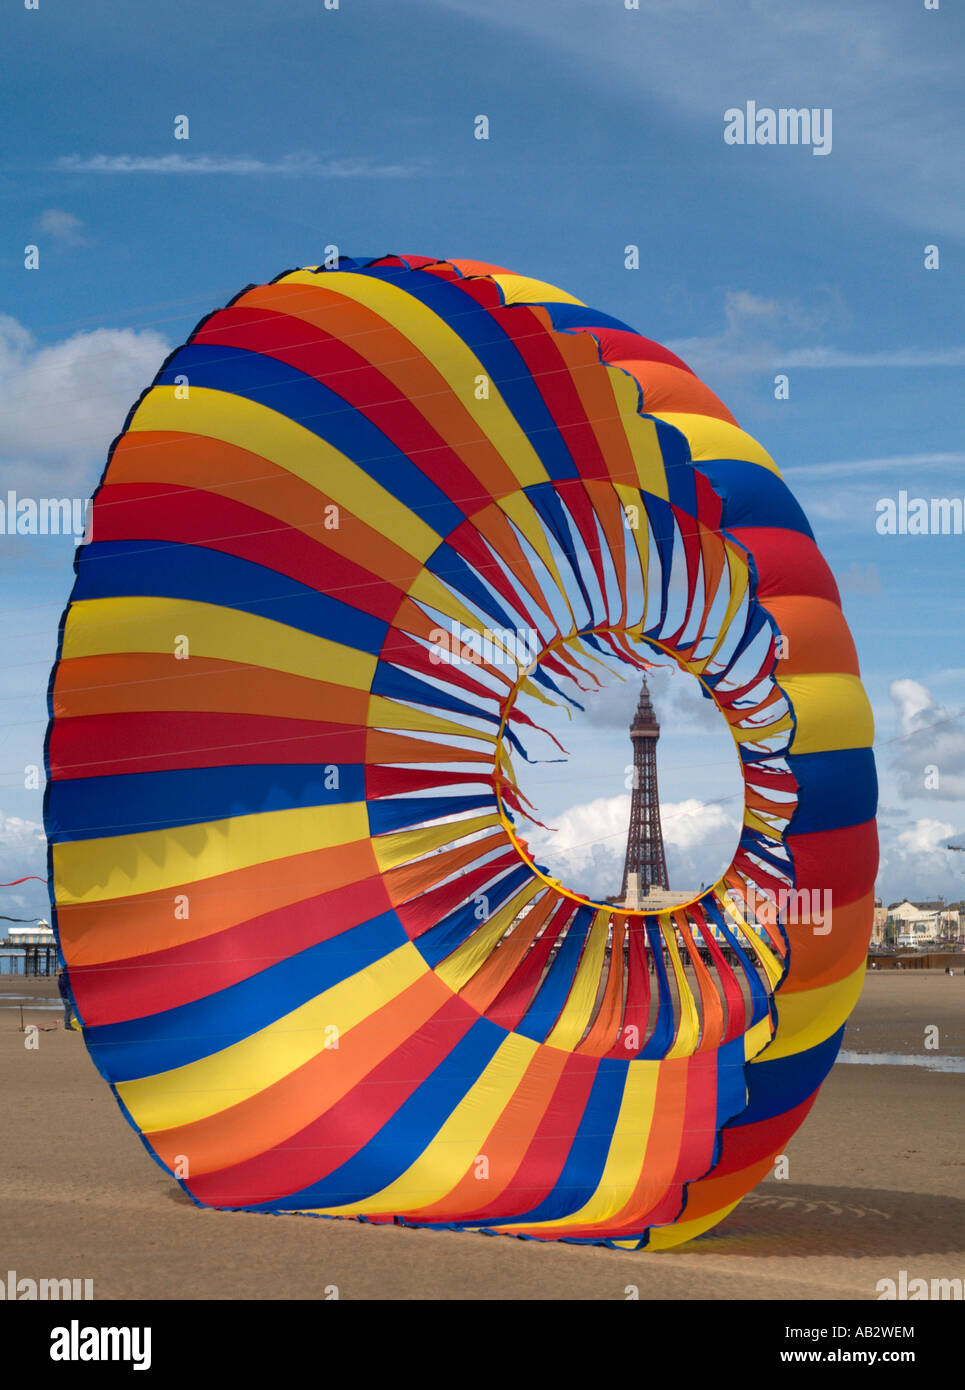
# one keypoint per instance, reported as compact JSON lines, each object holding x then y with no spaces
{"x":583,"y":1170}
{"x":661,"y":1041}
{"x":835,"y":789}
{"x":778,"y":1086}
{"x":449,"y":566}
{"x":159,"y":1042}
{"x":395,"y":814}
{"x":731,"y":1085}
{"x":547,"y":503}
{"x":85,"y":808}
{"x":396,"y":683}
{"x":324,"y":413}
{"x":442,"y":939}
{"x":538,"y":1021}
{"x":753,"y":496}
{"x":570,"y":316}
{"x":168,"y":569}
{"x":408,"y":1133}
{"x":500,"y":359}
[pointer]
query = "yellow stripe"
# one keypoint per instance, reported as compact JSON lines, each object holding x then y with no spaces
{"x":667,"y":1237}
{"x":773,"y":968}
{"x":458,"y":969}
{"x":738,"y":572}
{"x":403,"y":845}
{"x":578,"y":1009}
{"x":273,"y":436}
{"x":461,"y":1140}
{"x":688,"y":1030}
{"x":757,"y":1038}
{"x":832,"y":711}
{"x":761,"y":732}
{"x":764,"y":827}
{"x":710,"y":438}
{"x":626,"y":1153}
{"x":521,"y":289}
{"x":388,"y":714}
{"x":456,"y":363}
{"x":118,"y":866}
{"x":640,"y":533}
{"x":101,"y":626}
{"x":641,"y":435}
{"x":810,"y":1016}
{"x":521,"y":512}
{"x":226,"y":1078}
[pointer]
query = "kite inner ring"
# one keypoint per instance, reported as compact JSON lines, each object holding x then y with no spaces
{"x":503,"y":764}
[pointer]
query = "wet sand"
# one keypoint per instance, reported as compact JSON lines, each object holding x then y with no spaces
{"x":876,"y":1184}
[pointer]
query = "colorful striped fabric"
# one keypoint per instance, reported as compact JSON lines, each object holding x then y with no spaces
{"x":362,"y":529}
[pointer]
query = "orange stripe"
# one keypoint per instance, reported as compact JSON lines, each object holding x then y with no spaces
{"x":606,"y":1026}
{"x":712,"y":1009}
{"x":196,"y":461}
{"x":415,"y":377}
{"x":818,"y":638}
{"x":493,"y":974}
{"x":158,"y":681}
{"x":666,"y":387}
{"x":658,"y":1163}
{"x":823,"y":959}
{"x":269,"y":1118}
{"x":407,"y":881}
{"x":507,"y":1143}
{"x":121,"y":928}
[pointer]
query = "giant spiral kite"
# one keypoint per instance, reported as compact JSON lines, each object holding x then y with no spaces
{"x":308,"y":943}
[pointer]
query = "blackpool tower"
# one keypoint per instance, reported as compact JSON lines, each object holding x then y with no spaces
{"x":645,"y":867}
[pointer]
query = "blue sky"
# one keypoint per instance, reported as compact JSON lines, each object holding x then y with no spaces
{"x":354,"y":127}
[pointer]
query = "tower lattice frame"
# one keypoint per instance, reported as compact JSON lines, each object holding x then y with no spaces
{"x":645,"y":853}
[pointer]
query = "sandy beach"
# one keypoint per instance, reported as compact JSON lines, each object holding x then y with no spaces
{"x":876,"y":1184}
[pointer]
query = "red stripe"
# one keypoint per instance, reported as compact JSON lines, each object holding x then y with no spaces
{"x":539,"y":1171}
{"x":514,"y":998}
{"x":636,"y":1010}
{"x":364,"y":387}
{"x":429,"y":909}
{"x":104,"y":745}
{"x":382,"y":780}
{"x":618,"y":345}
{"x":841,"y":862}
{"x":336,"y":1136}
{"x":150,"y":983}
{"x":787,"y":562}
{"x":554,"y":381}
{"x":190,"y":516}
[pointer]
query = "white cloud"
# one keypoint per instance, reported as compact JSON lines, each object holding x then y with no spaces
{"x":925,"y":837}
{"x":23,"y":851}
{"x":915,"y":863}
{"x":587,"y":848}
{"x":66,"y":402}
{"x":62,"y":227}
{"x":22,"y":836}
{"x":302,"y":165}
{"x":929,"y":758}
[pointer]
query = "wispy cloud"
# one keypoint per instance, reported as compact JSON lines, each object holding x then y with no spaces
{"x":302,"y":165}
{"x":895,"y":463}
{"x":755,"y":334}
{"x":862,"y":60}
{"x":63,"y":227}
